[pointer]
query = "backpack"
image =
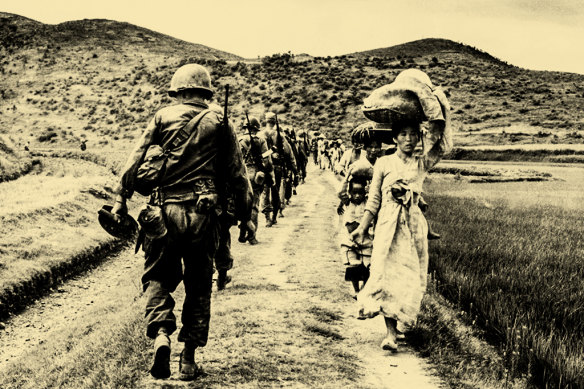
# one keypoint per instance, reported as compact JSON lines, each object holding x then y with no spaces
{"x":152,"y":169}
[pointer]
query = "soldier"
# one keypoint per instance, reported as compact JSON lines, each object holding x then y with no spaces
{"x":202,"y":158}
{"x":259,"y":166}
{"x":282,"y":159}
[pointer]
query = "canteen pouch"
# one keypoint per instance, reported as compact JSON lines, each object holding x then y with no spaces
{"x":259,"y":178}
{"x":151,"y":219}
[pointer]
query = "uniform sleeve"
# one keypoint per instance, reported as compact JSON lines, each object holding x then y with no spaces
{"x":290,"y":156}
{"x":374,"y":195}
{"x":267,"y":161}
{"x":128,"y":174}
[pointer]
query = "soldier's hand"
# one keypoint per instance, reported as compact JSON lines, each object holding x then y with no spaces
{"x":340,"y":210}
{"x":119,"y":208}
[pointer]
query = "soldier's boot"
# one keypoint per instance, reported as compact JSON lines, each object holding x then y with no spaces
{"x":253,"y":241}
{"x":223,"y":279}
{"x":188,"y":369}
{"x":161,"y":365}
{"x":269,"y":222}
{"x":280,"y":213}
{"x":242,"y":234}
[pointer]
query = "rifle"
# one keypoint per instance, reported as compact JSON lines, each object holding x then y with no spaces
{"x":225,"y":119}
{"x":280,"y":145}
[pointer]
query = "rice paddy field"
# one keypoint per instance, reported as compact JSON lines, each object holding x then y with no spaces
{"x":511,"y":256}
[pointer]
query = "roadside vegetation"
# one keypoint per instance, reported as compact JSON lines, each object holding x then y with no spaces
{"x":49,"y":228}
{"x":517,"y":272}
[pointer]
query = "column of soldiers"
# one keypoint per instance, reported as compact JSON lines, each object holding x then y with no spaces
{"x":201,"y":179}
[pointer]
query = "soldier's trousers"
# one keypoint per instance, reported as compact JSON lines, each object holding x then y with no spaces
{"x":223,"y":258}
{"x":257,"y":192}
{"x":271,"y":195}
{"x":193,"y":239}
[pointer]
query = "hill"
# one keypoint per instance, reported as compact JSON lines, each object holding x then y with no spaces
{"x":429,"y":46}
{"x":74,"y":82}
{"x":17,"y":32}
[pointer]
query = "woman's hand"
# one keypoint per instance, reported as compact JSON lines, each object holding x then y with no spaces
{"x":340,"y":209}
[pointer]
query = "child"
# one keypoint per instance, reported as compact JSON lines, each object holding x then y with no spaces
{"x":356,"y":257}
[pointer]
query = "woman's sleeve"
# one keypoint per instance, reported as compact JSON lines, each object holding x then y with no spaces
{"x":374,"y":196}
{"x":444,"y":143}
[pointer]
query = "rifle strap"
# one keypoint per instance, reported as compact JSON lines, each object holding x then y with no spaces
{"x":180,"y":136}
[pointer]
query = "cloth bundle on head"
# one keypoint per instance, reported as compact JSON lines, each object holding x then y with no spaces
{"x":410,"y":97}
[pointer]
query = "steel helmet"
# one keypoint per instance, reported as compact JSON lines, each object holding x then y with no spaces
{"x":190,"y":76}
{"x":271,"y":117}
{"x":122,"y":227}
{"x":254,"y":123}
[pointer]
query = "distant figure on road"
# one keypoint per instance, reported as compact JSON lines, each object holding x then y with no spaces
{"x":181,"y":222}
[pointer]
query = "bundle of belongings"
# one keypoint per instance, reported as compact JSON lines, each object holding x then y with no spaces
{"x":412,"y":97}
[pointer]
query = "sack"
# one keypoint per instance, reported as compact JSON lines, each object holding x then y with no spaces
{"x":410,"y":97}
{"x":357,"y":273}
{"x":150,"y":172}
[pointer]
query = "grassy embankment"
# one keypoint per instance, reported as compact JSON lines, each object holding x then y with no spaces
{"x":49,"y":224}
{"x":517,"y":271}
{"x":518,"y":155}
{"x":12,"y":163}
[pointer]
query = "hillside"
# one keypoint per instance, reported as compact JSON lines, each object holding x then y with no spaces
{"x":86,"y":85}
{"x":17,"y":32}
{"x":429,"y":46}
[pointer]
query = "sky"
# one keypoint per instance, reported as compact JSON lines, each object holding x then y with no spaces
{"x":533,"y":34}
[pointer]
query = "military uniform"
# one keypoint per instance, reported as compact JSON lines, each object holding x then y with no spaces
{"x":255,"y":164}
{"x":192,"y":173}
{"x":282,"y":159}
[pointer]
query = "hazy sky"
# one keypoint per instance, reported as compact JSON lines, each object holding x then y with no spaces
{"x":535,"y":34}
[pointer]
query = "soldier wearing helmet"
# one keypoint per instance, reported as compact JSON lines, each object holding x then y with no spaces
{"x":282,"y":159}
{"x":258,"y":162}
{"x":202,"y":157}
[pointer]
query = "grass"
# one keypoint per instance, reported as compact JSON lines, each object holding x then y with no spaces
{"x":525,"y":286}
{"x":518,"y":155}
{"x":50,"y":229}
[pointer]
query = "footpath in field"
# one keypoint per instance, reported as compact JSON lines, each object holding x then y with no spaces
{"x":286,"y":320}
{"x":291,"y":287}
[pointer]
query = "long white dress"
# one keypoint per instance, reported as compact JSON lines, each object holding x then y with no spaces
{"x":399,"y":260}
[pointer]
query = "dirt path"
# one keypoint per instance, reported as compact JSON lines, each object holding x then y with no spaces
{"x":295,"y":269}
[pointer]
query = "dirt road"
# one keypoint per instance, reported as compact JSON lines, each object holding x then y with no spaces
{"x":287,"y":319}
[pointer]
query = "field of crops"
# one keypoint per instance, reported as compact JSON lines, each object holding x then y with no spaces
{"x":517,"y":270}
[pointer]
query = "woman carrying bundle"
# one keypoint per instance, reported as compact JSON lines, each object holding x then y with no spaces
{"x":399,"y":259}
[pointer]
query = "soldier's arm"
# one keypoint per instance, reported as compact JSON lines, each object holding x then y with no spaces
{"x":267,"y":161}
{"x":125,"y":189}
{"x":290,"y":156}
